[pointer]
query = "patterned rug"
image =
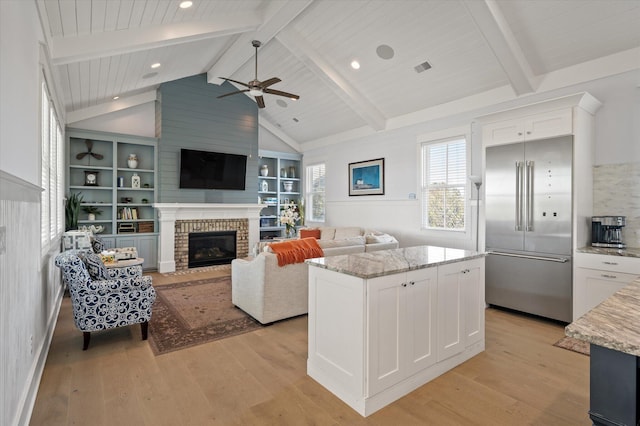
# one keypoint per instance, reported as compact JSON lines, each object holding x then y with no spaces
{"x":574,"y":345}
{"x":195,"y":312}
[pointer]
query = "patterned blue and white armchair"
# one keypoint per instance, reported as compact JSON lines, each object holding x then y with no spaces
{"x":105,"y":298}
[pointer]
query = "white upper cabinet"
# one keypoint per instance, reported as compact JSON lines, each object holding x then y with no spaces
{"x":538,"y":126}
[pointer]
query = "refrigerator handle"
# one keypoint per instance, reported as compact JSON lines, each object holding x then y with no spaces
{"x":518,"y":195}
{"x":529,"y":211}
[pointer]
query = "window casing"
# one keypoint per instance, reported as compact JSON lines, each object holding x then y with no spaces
{"x":315,"y":193}
{"x":444,"y":183}
{"x":52,"y":208}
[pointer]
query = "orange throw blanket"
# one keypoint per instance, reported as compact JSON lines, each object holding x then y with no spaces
{"x":296,"y":251}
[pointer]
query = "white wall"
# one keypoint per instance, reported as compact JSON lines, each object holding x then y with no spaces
{"x":19,"y":89}
{"x":30,"y":288}
{"x":139,"y":120}
{"x":617,"y":141}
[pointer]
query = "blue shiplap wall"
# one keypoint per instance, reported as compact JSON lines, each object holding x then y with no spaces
{"x":190,"y":116}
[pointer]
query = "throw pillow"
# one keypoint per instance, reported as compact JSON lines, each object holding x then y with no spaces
{"x":310,"y":233}
{"x":97,"y":244}
{"x":96,"y":268}
{"x":381,"y":238}
{"x":347,"y":232}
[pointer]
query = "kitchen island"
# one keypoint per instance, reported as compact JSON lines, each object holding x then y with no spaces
{"x":384,"y":323}
{"x":613,"y":330}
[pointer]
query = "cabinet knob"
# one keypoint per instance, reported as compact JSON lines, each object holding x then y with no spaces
{"x":404,"y":284}
{"x":528,"y":132}
{"x":519,"y":133}
{"x":412,"y":282}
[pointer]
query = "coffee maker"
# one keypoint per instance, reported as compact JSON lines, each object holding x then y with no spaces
{"x":606,"y":231}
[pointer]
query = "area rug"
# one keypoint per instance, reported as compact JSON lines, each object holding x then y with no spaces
{"x":574,"y":345}
{"x":195,"y":312}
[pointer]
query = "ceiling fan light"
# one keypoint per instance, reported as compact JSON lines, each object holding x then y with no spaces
{"x":255,"y":92}
{"x":355,"y":65}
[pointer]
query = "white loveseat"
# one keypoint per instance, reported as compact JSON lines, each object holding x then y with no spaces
{"x":269,"y":292}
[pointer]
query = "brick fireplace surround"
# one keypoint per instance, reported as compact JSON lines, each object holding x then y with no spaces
{"x":177,"y":220}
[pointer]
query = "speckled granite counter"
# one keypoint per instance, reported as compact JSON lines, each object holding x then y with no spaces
{"x":387,"y":262}
{"x":628,"y":252}
{"x":614,"y":324}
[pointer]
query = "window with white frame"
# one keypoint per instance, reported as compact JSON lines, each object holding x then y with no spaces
{"x":444,"y":180}
{"x":315,"y":193}
{"x":52,"y":209}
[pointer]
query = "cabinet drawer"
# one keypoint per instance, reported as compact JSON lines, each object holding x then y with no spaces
{"x":603,"y":262}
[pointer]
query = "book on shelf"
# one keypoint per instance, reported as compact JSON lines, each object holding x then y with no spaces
{"x":129,"y":213}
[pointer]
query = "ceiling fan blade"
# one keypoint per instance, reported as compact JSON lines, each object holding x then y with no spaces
{"x":235,"y":81}
{"x":233,"y":93}
{"x":269,"y":82}
{"x":260,"y":101}
{"x":279,"y":93}
{"x":81,"y":155}
{"x":97,"y":156}
{"x":89,"y":144}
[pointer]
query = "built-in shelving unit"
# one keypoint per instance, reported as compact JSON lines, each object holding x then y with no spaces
{"x":280,"y":183}
{"x":126,"y":211}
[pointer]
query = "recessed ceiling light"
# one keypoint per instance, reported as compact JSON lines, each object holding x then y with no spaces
{"x":156,"y":65}
{"x":355,"y":65}
{"x":115,"y":98}
{"x":186,"y":4}
{"x":295,"y":119}
{"x":281,"y":103}
{"x":149,"y":75}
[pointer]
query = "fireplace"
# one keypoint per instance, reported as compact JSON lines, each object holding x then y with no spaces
{"x":211,"y":248}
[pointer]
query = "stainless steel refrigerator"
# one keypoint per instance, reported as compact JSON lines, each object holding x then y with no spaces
{"x":528,"y":227}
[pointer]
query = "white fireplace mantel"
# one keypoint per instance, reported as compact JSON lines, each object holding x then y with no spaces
{"x":168,"y":213}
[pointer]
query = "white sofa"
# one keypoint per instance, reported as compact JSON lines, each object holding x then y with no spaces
{"x":269,"y":292}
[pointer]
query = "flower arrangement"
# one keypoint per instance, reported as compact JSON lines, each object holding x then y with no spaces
{"x":289,"y":216}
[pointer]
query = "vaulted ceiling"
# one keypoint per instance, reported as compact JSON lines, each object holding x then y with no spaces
{"x":105,"y":48}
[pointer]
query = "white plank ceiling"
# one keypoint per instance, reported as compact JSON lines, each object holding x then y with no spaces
{"x":104,"y":48}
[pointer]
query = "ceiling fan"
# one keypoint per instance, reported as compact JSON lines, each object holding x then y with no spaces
{"x":257,"y":88}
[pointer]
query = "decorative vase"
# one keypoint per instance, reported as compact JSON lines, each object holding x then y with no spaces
{"x":264,"y":186}
{"x":132,"y":161}
{"x":264,"y":170}
{"x":292,"y":171}
{"x":283,"y":172}
{"x":288,"y":186}
{"x":135,"y":181}
{"x":289,"y":231}
{"x":91,"y":216}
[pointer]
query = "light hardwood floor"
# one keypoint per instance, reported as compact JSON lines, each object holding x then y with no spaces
{"x":259,"y":378}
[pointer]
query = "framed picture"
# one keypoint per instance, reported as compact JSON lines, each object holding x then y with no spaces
{"x":366,"y":177}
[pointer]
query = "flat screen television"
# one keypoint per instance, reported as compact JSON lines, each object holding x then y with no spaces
{"x":212,"y":170}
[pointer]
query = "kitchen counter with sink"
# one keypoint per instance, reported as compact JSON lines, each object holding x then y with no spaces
{"x":613,"y":330}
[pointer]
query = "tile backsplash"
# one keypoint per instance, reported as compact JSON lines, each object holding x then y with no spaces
{"x":616,"y":192}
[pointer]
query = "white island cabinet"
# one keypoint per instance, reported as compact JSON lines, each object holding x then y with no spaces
{"x":382,"y":324}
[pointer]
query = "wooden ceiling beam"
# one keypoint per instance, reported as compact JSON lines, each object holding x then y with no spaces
{"x":276,"y":17}
{"x":295,"y":43}
{"x":66,"y":50}
{"x":494,"y":28}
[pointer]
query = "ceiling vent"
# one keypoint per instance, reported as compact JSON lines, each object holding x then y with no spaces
{"x":422,"y":67}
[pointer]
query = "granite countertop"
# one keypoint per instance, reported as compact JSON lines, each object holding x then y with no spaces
{"x":613,"y":324}
{"x":627,"y":252}
{"x":387,"y":262}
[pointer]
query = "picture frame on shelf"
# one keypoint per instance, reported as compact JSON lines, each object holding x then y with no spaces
{"x":366,"y":177}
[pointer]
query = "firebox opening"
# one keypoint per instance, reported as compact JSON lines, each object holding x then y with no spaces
{"x":211,"y":248}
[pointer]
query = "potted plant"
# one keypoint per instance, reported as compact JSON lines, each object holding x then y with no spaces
{"x":71,"y":210}
{"x":92,"y":212}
